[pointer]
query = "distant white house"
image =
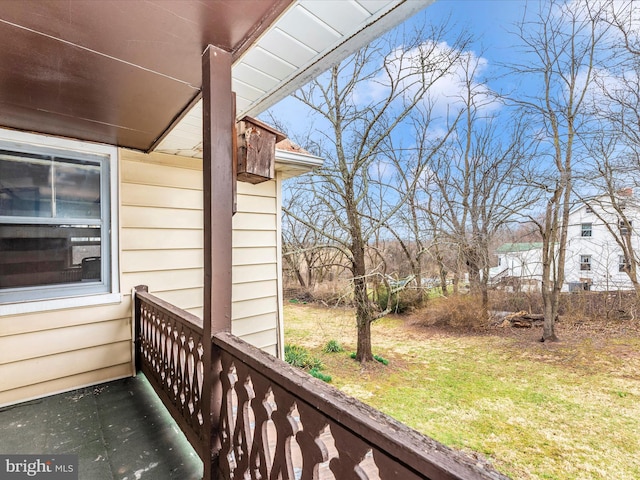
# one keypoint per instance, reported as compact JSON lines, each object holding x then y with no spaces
{"x":594,"y":259}
{"x":519,"y":266}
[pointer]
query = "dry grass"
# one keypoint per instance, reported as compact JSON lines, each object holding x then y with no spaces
{"x":457,"y":311}
{"x":568,"y":410}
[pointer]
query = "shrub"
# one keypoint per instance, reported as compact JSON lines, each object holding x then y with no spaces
{"x":377,"y":358}
{"x":300,"y":357}
{"x":333,"y":346}
{"x":614,"y":305}
{"x":515,"y":301}
{"x":399,"y":302}
{"x":314,"y":372}
{"x":458,"y":311}
{"x":380,"y":359}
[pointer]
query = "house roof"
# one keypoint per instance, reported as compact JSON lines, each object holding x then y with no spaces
{"x":518,"y":247}
{"x":126,"y":72}
{"x":293,"y":160}
{"x":624,"y":196}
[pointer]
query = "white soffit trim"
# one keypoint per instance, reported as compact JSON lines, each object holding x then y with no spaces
{"x":310,"y":37}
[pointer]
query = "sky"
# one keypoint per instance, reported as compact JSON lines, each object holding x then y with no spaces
{"x":488,"y":21}
{"x":491,"y":24}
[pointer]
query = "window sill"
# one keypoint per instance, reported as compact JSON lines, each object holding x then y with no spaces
{"x":59,"y":304}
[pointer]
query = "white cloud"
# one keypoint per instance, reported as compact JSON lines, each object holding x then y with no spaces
{"x":449,"y":75}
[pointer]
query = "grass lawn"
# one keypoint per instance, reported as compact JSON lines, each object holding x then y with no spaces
{"x":567,"y":410}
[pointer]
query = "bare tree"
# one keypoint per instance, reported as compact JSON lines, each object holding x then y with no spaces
{"x":625,"y":17}
{"x":307,"y":253}
{"x":560,"y":54}
{"x":410,"y":226}
{"x":361,"y":103}
{"x":472,"y":178}
{"x":612,"y":176}
{"x":619,"y":105}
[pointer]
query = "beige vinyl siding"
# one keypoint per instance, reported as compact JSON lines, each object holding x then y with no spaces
{"x":162,"y":226}
{"x":160,"y":241}
{"x":255,"y":265}
{"x":61,"y":356}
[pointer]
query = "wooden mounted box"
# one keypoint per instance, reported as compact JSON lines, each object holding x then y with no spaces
{"x":256,"y":150}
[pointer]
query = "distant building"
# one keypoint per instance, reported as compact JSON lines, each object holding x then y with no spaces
{"x":594,"y":258}
{"x":519,"y":266}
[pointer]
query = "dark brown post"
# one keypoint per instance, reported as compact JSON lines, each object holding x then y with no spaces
{"x":217,"y":137}
{"x":136,"y":319}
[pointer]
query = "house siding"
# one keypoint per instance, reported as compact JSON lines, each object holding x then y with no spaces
{"x":605,"y":274}
{"x":162,"y":241}
{"x":255,"y":268}
{"x":160,"y":245}
{"x":601,"y":247}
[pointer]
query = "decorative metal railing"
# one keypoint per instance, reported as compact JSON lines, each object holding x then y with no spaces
{"x":169,"y":351}
{"x":274,"y":421}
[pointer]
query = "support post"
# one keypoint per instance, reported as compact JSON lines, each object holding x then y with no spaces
{"x":217,"y":165}
{"x":135,"y":316}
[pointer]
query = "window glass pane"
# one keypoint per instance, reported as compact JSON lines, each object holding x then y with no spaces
{"x":36,"y":255}
{"x":77,"y":187}
{"x":25,"y":185}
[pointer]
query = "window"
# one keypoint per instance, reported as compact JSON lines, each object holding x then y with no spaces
{"x":586,"y":230}
{"x":624,"y":265}
{"x":55,"y":221}
{"x":625,"y":227}
{"x":585,"y":262}
{"x":589,"y":209}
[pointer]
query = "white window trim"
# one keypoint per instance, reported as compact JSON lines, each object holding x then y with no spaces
{"x":59,"y":304}
{"x":26,"y":140}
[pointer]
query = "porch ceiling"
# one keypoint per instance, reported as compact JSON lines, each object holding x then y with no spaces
{"x":124,"y":72}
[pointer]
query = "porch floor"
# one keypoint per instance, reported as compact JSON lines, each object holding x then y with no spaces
{"x":119,"y":430}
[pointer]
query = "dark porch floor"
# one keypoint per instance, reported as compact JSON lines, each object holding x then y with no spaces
{"x":120,"y":430}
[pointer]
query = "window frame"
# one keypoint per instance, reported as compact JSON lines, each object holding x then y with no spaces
{"x":625,"y":226}
{"x":585,"y":263}
{"x":624,"y":266}
{"x":36,"y":298}
{"x":586,"y":227}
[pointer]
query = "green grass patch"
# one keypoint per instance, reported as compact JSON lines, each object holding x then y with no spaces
{"x":314,"y":372}
{"x":380,"y":359}
{"x":538,"y":411}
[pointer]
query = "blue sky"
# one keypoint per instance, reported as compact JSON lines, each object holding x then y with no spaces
{"x":489,"y":22}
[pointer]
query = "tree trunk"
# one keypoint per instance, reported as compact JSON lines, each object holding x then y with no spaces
{"x":364,"y":352}
{"x":484,"y":293}
{"x":551,"y":300}
{"x":442,"y":271}
{"x":364,"y":314}
{"x":300,"y":279}
{"x":363,"y":320}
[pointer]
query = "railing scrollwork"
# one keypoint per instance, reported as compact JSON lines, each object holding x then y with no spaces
{"x":277,"y":422}
{"x":169,"y":351}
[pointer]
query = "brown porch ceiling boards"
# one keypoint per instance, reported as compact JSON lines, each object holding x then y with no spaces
{"x":114,"y":71}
